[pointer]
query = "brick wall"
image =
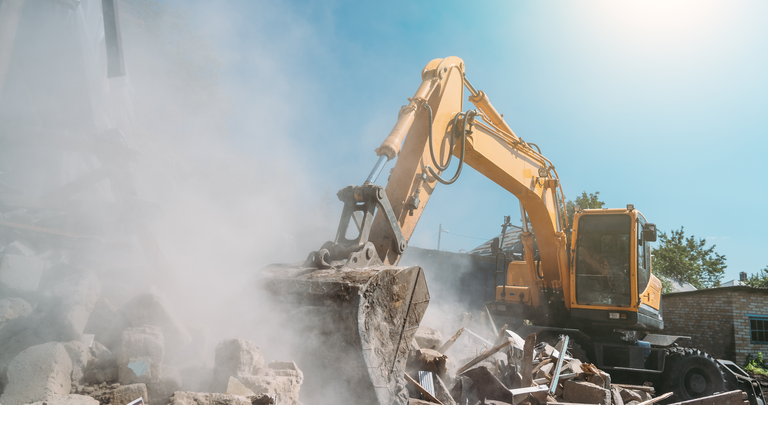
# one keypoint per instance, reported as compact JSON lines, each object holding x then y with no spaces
{"x":705,"y":316}
{"x":753,"y":303}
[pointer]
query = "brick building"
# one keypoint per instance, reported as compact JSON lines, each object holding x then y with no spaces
{"x":728,"y":322}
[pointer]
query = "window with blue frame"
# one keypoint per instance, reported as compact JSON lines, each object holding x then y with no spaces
{"x":758,"y":329}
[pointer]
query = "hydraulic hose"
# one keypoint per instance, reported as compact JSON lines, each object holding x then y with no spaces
{"x":467,"y":115}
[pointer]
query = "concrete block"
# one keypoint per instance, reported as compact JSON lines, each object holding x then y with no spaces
{"x":150,"y":309}
{"x":628,"y":395}
{"x":429,"y":360}
{"x":194,"y":398}
{"x":286,"y":389}
{"x":38,"y":373}
{"x":586,"y":392}
{"x":428,"y":338}
{"x":235,"y":387}
{"x":71,"y":399}
{"x":160,"y":393}
{"x":21,"y":273}
{"x":140,"y":357}
{"x":80,"y":354}
{"x":68,"y":305}
{"x":601,"y":378}
{"x":235,"y":357}
{"x":107,"y":324}
{"x":124,"y":394}
{"x":12,"y":308}
{"x":102,"y":366}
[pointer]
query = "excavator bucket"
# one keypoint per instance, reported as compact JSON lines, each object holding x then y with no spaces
{"x":352,"y":328}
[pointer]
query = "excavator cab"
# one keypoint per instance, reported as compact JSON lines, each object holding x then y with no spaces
{"x":611,"y":279}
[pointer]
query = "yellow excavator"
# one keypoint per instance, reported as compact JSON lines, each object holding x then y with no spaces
{"x":357,"y":311}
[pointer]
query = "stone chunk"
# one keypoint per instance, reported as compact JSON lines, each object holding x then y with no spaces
{"x":429,"y":360}
{"x":193,"y":398}
{"x":107,"y":324}
{"x":20,"y":273}
{"x":124,"y":395}
{"x":235,"y":357}
{"x":80,"y":354}
{"x":13,"y":308}
{"x":235,"y":387}
{"x":38,"y":373}
{"x":72,"y":399}
{"x":68,"y":305}
{"x":628,"y":395}
{"x":263,"y":399}
{"x":160,"y":393}
{"x":286,"y":389}
{"x":428,"y":338}
{"x":102,"y":366}
{"x":140,"y":357}
{"x":586,"y":393}
{"x":150,"y":309}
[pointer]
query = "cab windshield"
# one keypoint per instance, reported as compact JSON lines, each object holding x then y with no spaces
{"x":602,"y":260}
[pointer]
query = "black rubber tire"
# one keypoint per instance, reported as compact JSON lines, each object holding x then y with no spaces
{"x":690,"y":374}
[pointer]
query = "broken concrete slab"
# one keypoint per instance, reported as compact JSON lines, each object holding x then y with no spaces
{"x":71,"y":399}
{"x":235,"y":387}
{"x":102,"y":366}
{"x":628,"y":395}
{"x":124,"y":394}
{"x":68,"y":305}
{"x":235,"y":357}
{"x":586,"y":393}
{"x":429,"y":360}
{"x":107,"y":324}
{"x":149,"y":309}
{"x":160,"y":393}
{"x":20,"y":273}
{"x":286,"y":389}
{"x":38,"y":373}
{"x":194,"y":398}
{"x":12,"y":308}
{"x":80,"y":354}
{"x":428,"y":338}
{"x":140,"y":357}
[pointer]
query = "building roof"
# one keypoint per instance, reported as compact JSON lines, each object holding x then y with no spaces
{"x":733,"y":282}
{"x":742,"y":288}
{"x":511,"y":242}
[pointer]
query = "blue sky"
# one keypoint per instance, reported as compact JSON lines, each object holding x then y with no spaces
{"x":660,"y":104}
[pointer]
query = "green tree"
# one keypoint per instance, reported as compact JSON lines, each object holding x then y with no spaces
{"x":688,"y":260}
{"x":758,"y":280}
{"x":585,"y":201}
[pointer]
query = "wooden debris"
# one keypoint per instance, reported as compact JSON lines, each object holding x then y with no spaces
{"x":734,"y":397}
{"x":414,"y":401}
{"x":501,"y":337}
{"x":656,"y":399}
{"x":422,"y":390}
{"x":527,"y":374}
{"x":564,"y":376}
{"x":450,"y":341}
{"x":490,"y":319}
{"x":482,"y":357}
{"x":633,"y":387}
{"x":539,"y":366}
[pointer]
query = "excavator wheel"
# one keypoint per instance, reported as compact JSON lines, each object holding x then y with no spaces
{"x":690,"y":374}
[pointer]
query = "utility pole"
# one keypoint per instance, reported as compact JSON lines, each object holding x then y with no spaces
{"x":441,"y":231}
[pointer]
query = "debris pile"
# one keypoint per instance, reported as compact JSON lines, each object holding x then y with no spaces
{"x":64,"y":342}
{"x":510,"y":371}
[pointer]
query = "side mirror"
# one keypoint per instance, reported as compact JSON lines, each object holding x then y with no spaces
{"x":649,"y":232}
{"x":495,"y":246}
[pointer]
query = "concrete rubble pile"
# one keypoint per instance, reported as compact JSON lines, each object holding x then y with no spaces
{"x":67,"y":339}
{"x":470,"y":369}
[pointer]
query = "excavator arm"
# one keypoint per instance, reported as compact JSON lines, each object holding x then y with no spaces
{"x":349,"y":300}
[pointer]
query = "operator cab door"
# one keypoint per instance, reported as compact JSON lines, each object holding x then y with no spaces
{"x":603,"y":270}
